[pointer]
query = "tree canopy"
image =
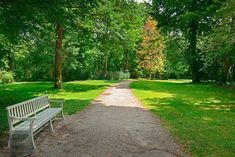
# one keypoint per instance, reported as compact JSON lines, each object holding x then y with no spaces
{"x":77,"y":39}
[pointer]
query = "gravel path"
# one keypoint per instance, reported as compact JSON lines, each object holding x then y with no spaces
{"x":114,"y":125}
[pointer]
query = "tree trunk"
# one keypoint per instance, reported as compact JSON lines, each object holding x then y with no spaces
{"x":58,"y":57}
{"x":11,"y":61}
{"x":150,"y":75}
{"x":106,"y":64}
{"x":227,"y":60}
{"x":193,"y":52}
{"x":66,"y":74}
{"x":232,"y":61}
{"x":226,"y":67}
{"x":126,"y":67}
{"x":233,"y":73}
{"x":51,"y":73}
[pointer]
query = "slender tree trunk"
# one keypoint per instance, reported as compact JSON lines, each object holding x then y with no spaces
{"x":233,"y":50}
{"x":66,"y":74}
{"x":106,"y":64}
{"x":155,"y":75}
{"x":226,"y":67}
{"x":51,"y":73}
{"x":193,"y":52}
{"x":150,"y":75}
{"x":233,"y":73}
{"x":10,"y":58}
{"x":58,"y":57}
{"x":126,"y":67}
{"x":227,"y":59}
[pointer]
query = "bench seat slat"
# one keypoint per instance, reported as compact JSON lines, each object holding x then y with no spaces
{"x":41,"y":119}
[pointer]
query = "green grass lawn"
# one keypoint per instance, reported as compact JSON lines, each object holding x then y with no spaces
{"x":77,"y":95}
{"x":199,"y":116}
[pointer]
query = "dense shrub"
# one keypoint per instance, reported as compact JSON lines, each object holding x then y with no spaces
{"x":116,"y":75}
{"x":124,"y":75}
{"x":136,"y":74}
{"x":6,"y":77}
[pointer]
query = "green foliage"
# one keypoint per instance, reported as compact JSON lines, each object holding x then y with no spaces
{"x":188,"y":19}
{"x":220,"y":45}
{"x":102,"y":38}
{"x":176,"y":66}
{"x":115,"y":75}
{"x":199,"y":116}
{"x":6,"y":77}
{"x":123,"y":75}
{"x":136,"y":74}
{"x":99,"y":37}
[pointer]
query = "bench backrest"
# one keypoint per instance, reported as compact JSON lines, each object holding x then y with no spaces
{"x":29,"y":107}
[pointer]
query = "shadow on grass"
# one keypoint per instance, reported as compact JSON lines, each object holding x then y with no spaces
{"x":193,"y":112}
{"x":190,"y":122}
{"x":149,"y":85}
{"x":177,"y":101}
{"x":202,"y":93}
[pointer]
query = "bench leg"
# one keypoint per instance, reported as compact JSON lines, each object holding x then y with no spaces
{"x":34,"y":146}
{"x":62,"y":114}
{"x":9,"y":141}
{"x":51,"y":126}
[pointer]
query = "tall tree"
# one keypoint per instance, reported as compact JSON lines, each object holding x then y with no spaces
{"x":20,"y":21}
{"x":191,"y":18}
{"x":221,"y":45}
{"x":151,"y":55}
{"x":117,"y":28}
{"x":94,"y":38}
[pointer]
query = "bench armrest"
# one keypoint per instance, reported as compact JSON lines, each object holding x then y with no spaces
{"x":61,"y":101}
{"x":30,"y":119}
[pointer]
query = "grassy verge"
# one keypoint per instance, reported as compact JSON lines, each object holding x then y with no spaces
{"x":200,"y":116}
{"x":77,"y":95}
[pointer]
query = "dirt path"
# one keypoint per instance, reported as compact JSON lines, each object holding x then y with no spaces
{"x":115,"y":125}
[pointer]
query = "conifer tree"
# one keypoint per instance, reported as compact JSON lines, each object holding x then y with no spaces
{"x":151,"y":54}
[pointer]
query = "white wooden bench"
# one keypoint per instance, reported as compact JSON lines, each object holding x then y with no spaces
{"x":32,"y":115}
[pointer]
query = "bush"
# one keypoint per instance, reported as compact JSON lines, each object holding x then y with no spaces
{"x":6,"y":77}
{"x":123,"y":75}
{"x":136,"y":74}
{"x":116,"y":75}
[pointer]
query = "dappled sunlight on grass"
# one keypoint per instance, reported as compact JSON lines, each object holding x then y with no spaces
{"x":176,"y":81}
{"x":207,"y":118}
{"x":218,"y":107}
{"x":200,"y":116}
{"x":213,"y":100}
